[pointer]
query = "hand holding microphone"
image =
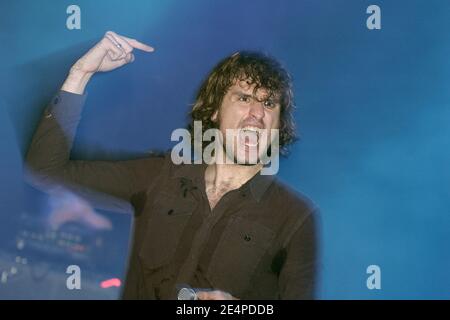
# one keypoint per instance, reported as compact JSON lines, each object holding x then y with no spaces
{"x":188,"y":293}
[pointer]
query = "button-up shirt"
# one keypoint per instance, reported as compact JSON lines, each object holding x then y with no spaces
{"x":258,"y":242}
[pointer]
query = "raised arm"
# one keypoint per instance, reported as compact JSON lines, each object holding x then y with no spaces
{"x":48,"y":158}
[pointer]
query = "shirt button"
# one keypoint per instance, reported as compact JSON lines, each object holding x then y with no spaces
{"x":56,"y":100}
{"x":48,"y":114}
{"x":247,"y":238}
{"x":170,"y":212}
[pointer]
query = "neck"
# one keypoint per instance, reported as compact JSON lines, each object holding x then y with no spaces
{"x":232,"y":175}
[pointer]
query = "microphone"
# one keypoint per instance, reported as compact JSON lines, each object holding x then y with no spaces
{"x":186,"y":293}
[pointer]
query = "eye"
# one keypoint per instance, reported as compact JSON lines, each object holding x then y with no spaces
{"x":244,"y":98}
{"x":269,"y":104}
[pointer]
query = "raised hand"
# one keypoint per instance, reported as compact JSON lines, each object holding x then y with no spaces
{"x":111,"y":52}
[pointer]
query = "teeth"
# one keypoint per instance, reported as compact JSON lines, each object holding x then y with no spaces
{"x":252,"y":129}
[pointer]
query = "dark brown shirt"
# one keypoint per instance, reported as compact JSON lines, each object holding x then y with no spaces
{"x":259,"y":241}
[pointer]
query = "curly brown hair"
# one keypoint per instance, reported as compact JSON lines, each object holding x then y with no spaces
{"x":255,"y":68}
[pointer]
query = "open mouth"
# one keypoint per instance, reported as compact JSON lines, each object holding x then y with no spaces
{"x":249,"y":136}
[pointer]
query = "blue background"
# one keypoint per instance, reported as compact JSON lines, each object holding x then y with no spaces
{"x":373,"y":112}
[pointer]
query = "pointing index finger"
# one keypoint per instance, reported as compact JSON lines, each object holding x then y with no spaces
{"x":139,"y":45}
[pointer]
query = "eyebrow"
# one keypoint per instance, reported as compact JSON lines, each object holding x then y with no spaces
{"x":272,"y":98}
{"x":239,"y":92}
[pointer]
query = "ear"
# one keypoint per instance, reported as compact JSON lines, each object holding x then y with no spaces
{"x":214,"y":116}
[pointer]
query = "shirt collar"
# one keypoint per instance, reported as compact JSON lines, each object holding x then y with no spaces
{"x":259,"y":185}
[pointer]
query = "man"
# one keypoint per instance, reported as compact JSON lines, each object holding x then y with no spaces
{"x":222,"y":227}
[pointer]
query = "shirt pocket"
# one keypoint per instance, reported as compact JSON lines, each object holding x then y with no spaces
{"x":239,"y":251}
{"x":164,"y":228}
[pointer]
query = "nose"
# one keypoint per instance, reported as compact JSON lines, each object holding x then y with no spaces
{"x":257,"y":110}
